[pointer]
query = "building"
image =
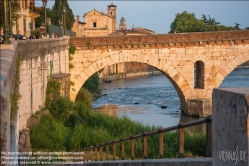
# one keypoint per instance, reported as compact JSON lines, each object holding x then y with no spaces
{"x":78,"y":27}
{"x":26,"y":22}
{"x":97,"y":23}
{"x":133,"y":31}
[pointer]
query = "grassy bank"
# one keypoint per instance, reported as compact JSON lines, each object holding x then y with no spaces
{"x":72,"y":126}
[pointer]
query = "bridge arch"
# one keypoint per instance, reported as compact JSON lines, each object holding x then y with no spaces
{"x":227,"y":69}
{"x":178,"y":81}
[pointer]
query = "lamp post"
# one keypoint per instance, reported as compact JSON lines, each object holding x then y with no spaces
{"x":6,"y":25}
{"x":44,"y":2}
{"x":10,"y":20}
{"x":64,"y":20}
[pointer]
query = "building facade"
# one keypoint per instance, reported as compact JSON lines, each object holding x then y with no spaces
{"x":26,"y":22}
{"x":97,"y":23}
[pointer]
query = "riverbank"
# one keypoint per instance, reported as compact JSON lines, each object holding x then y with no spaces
{"x":129,"y":75}
{"x":241,"y":67}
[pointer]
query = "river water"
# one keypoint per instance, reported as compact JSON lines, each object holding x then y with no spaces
{"x":141,"y":98}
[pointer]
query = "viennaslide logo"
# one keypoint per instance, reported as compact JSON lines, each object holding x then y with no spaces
{"x":233,"y":155}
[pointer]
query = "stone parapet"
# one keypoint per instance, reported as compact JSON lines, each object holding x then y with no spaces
{"x":162,"y":40}
{"x":7,"y":68}
{"x":40,"y":47}
{"x":230,"y":126}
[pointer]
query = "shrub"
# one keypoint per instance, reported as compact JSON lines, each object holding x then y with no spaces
{"x":61,"y":108}
{"x":48,"y":135}
{"x":52,"y":92}
{"x":84,"y":96}
{"x":92,"y":84}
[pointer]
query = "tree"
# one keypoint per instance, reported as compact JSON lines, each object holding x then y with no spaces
{"x":237,"y":26}
{"x":15,"y":9}
{"x":40,"y":20}
{"x":247,"y":28}
{"x":186,"y":22}
{"x":57,"y":12}
{"x":204,"y":18}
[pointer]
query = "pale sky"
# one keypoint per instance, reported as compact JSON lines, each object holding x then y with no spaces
{"x":158,"y":15}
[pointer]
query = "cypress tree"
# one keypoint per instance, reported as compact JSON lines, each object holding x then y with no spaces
{"x":57,"y":12}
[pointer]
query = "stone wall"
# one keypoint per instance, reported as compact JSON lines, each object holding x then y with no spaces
{"x":34,"y":72}
{"x":170,"y":40}
{"x":230,"y":127}
{"x":127,"y":68}
{"x":7,"y":68}
{"x":44,"y":57}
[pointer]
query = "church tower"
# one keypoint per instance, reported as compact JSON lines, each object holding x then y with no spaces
{"x":111,"y":9}
{"x":122,"y":25}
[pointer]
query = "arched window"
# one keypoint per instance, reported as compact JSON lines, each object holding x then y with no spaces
{"x":199,"y":74}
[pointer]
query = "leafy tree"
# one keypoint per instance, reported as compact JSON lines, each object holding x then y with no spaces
{"x":15,"y":9}
{"x":247,"y":28}
{"x":40,"y":20}
{"x":186,"y":22}
{"x":57,"y":12}
{"x":224,"y":28}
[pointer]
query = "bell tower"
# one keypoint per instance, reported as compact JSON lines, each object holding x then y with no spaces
{"x":111,"y":9}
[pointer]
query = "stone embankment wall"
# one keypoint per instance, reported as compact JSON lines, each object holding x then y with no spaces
{"x":39,"y":59}
{"x":36,"y":56}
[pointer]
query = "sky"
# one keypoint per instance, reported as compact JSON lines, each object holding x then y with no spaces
{"x":158,"y":15}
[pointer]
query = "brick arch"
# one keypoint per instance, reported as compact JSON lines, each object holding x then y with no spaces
{"x":178,"y":81}
{"x":227,"y":69}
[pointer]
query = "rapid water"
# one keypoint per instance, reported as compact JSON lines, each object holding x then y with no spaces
{"x":141,"y":98}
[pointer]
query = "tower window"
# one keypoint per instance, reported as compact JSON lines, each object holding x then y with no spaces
{"x":94,"y":24}
{"x":111,"y":13}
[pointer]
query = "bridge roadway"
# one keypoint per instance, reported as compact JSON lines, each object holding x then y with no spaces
{"x":213,"y":54}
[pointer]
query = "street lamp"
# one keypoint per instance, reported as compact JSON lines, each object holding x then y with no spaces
{"x":64,"y":21}
{"x":10,"y":20}
{"x":5,"y":25}
{"x":44,"y":2}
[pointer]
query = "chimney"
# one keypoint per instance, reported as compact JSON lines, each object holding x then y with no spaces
{"x":78,"y":18}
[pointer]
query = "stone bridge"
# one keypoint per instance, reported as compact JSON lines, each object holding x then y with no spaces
{"x":195,"y":63}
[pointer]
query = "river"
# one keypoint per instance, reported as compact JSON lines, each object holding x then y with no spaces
{"x":141,"y":98}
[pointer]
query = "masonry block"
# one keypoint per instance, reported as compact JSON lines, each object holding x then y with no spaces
{"x":230,"y":126}
{"x":199,"y":107}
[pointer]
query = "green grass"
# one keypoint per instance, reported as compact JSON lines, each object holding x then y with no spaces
{"x":80,"y":127}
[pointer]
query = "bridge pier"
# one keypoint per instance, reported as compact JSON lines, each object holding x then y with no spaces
{"x":199,"y":107}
